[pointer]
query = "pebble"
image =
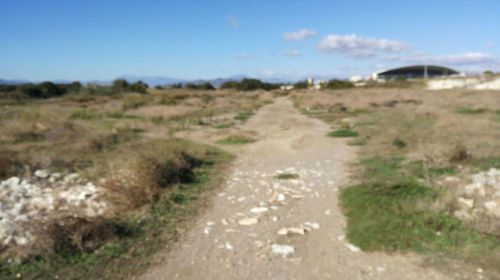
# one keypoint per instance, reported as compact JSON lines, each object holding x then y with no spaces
{"x":248,"y":221}
{"x":283,"y":250}
{"x":258,"y":210}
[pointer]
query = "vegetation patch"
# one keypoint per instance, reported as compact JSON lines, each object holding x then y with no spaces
{"x":243,"y":116}
{"x":236,"y":140}
{"x":287,"y":176}
{"x":343,"y":133}
{"x":119,"y":248}
{"x":391,"y":211}
{"x":471,"y":111}
{"x":85,"y":115}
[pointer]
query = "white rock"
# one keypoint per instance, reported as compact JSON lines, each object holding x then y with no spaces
{"x":258,"y":210}
{"x":281,"y":197}
{"x":229,"y":246}
{"x":311,"y":225}
{"x":283,"y":250}
{"x":283,"y":231}
{"x":466,"y":203}
{"x":353,"y":248}
{"x":248,"y":221}
{"x":41,"y":173}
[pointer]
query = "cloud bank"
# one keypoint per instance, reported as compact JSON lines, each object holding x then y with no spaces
{"x":354,"y":46}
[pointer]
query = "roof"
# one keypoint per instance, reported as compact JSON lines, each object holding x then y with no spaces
{"x":419,"y":68}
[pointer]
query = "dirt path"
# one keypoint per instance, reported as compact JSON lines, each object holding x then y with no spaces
{"x":240,"y":237}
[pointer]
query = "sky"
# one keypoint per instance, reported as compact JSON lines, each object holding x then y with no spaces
{"x":102,"y":40}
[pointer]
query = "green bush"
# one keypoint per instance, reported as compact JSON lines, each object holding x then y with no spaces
{"x":343,"y":133}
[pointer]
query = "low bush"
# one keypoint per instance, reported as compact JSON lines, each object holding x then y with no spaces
{"x":342,"y":133}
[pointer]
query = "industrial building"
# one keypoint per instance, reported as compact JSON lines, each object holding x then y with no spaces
{"x":415,"y":72}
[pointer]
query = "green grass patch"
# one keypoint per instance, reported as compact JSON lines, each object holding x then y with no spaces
{"x":390,"y":211}
{"x":222,"y":126}
{"x":286,"y":176}
{"x":85,"y":115}
{"x":343,"y":133}
{"x":471,"y":111}
{"x":236,"y":140}
{"x":243,"y":116}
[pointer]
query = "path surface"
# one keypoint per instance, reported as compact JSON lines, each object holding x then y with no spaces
{"x":241,"y":235}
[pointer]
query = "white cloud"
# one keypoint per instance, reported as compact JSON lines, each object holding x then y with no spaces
{"x":241,"y":56}
{"x":233,"y":21}
{"x":359,"y":47}
{"x":293,"y":53}
{"x":298,"y":35}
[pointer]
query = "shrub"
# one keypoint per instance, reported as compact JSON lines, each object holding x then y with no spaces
{"x":120,"y":85}
{"x":202,"y":86}
{"x":337,"y":84}
{"x":139,"y":87}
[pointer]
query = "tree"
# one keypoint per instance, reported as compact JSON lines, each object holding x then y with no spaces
{"x":301,"y":85}
{"x":120,"y":85}
{"x":488,"y":73}
{"x":139,"y":87}
{"x":229,"y":85}
{"x":50,"y":89}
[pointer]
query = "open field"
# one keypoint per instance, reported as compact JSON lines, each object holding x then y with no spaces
{"x":114,"y":186}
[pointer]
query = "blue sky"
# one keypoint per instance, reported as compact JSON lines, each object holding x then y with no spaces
{"x":97,"y":39}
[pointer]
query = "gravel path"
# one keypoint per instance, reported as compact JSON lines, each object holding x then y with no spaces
{"x":260,"y":227}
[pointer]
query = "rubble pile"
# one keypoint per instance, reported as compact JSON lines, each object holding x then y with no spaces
{"x":43,"y":198}
{"x":478,"y":200}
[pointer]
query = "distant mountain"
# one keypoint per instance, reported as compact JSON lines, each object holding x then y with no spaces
{"x":153,"y":80}
{"x":12,"y":82}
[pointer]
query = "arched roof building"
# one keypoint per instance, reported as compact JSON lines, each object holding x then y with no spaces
{"x":415,"y":72}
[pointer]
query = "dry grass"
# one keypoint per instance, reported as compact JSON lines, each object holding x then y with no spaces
{"x":426,"y":121}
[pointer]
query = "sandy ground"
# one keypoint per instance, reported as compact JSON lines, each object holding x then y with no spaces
{"x":242,"y":235}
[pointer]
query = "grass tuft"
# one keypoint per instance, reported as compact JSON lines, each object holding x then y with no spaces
{"x":286,"y":176}
{"x":236,"y":140}
{"x":471,"y":111}
{"x":343,"y":133}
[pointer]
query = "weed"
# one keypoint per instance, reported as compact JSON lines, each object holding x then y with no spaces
{"x":399,"y":143}
{"x":236,"y":140}
{"x":470,"y":111}
{"x":342,"y":133}
{"x":222,"y":125}
{"x":84,"y":115}
{"x":133,"y":102}
{"x":243,"y":116}
{"x":286,"y":176}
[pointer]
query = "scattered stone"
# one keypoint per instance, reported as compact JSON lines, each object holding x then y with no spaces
{"x":248,"y":221}
{"x":283,"y":250}
{"x":328,"y":212}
